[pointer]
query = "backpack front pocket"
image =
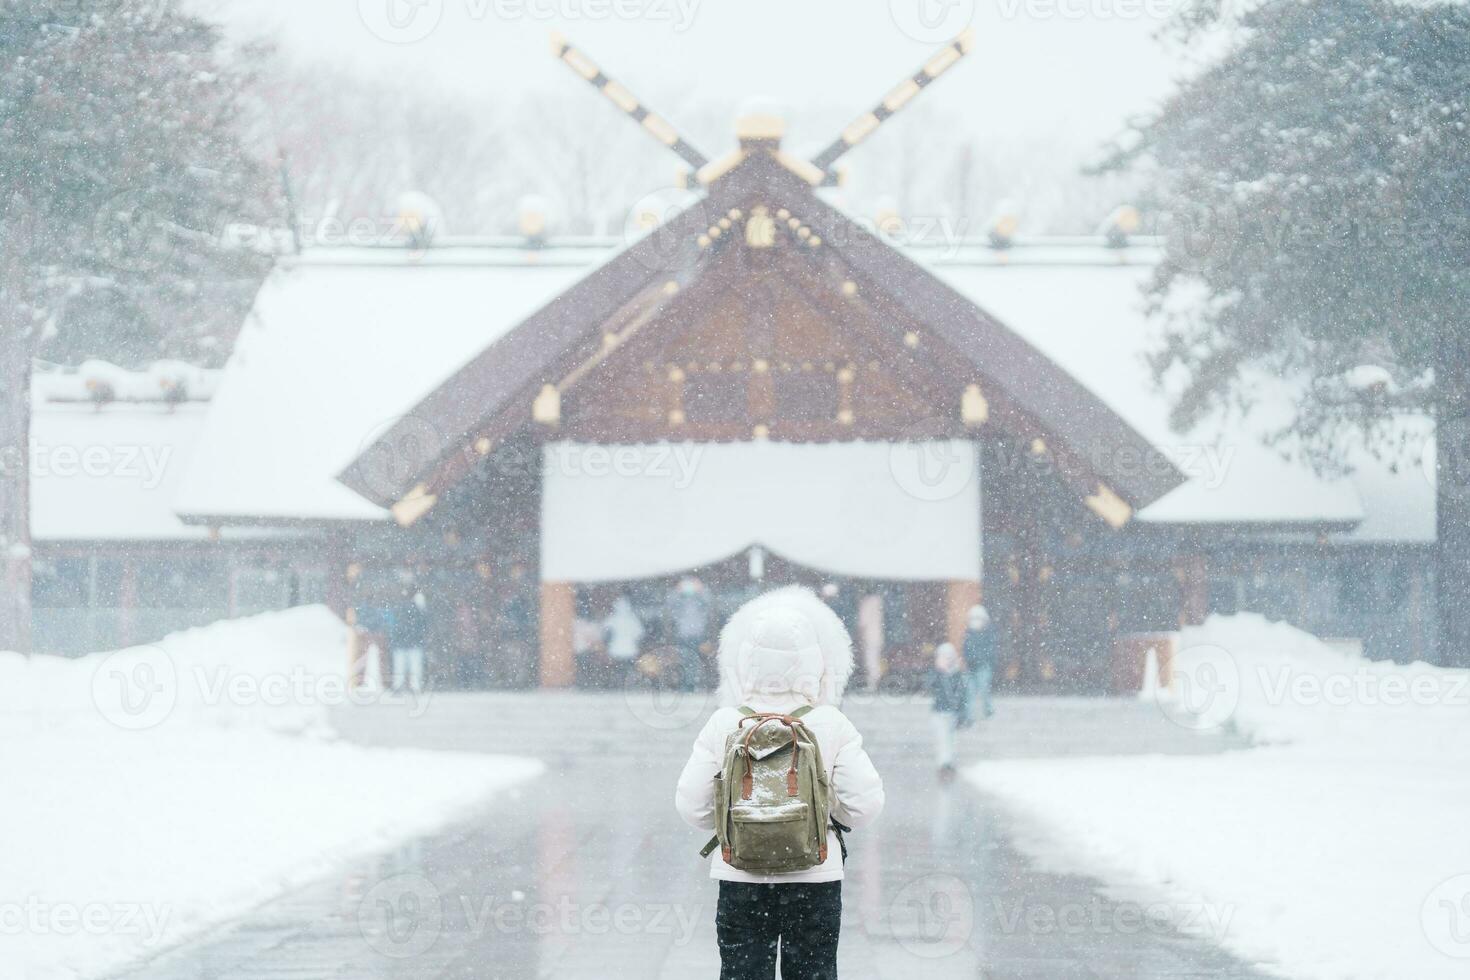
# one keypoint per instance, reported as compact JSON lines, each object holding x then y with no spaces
{"x":772,"y":838}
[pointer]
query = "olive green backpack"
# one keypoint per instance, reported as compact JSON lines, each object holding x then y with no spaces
{"x":772,"y":801}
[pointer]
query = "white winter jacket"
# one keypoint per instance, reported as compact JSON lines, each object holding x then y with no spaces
{"x":780,"y":651}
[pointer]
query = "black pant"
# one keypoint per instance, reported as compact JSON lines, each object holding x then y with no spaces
{"x":804,"y":918}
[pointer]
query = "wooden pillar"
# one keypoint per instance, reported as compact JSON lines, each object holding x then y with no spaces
{"x":341,"y":574}
{"x":15,"y":483}
{"x":1452,"y":482}
{"x":127,"y":603}
{"x":341,"y":596}
{"x":1029,"y":628}
{"x":1194,"y":588}
{"x":960,"y":595}
{"x":232,"y":590}
{"x":1418,"y":648}
{"x":558,"y":609}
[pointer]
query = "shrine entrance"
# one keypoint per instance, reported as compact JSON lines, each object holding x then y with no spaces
{"x":759,"y":373}
{"x":888,"y":533}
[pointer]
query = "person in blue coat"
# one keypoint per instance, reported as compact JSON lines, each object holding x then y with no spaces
{"x":980,"y":654}
{"x":949,"y":687}
{"x":408,"y":634}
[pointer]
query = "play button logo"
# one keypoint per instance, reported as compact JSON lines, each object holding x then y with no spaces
{"x":932,"y":21}
{"x":401,"y":21}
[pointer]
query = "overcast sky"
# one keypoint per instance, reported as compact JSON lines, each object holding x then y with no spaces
{"x":1066,"y":71}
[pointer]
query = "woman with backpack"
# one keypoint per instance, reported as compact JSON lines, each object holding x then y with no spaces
{"x":774,"y":773}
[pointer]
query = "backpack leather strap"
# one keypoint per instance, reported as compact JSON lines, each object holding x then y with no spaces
{"x":840,"y":830}
{"x":750,"y":712}
{"x":747,"y":787}
{"x":747,"y":783}
{"x":797,"y":729}
{"x":791,"y":786}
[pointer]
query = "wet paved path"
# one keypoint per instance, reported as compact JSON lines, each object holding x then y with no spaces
{"x":588,"y":873}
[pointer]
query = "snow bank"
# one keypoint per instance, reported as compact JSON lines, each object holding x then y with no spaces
{"x":1336,"y":850}
{"x":152,"y":792}
{"x":278,"y":671}
{"x":1280,"y":684}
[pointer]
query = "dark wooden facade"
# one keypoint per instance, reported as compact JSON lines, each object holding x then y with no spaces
{"x":761,"y":234}
{"x":762,"y":313}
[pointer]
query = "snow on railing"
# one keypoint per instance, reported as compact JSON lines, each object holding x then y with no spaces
{"x":100,"y":382}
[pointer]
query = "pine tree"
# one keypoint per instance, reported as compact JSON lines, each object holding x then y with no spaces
{"x":121,"y":171}
{"x":1316,"y":183}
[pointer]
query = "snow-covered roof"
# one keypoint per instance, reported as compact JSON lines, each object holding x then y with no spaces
{"x":110,"y":474}
{"x":94,"y":381}
{"x":109,"y":470}
{"x":342,"y":342}
{"x":1089,"y":321}
{"x":1398,"y":500}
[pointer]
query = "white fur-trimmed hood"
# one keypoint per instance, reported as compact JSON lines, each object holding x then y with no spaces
{"x":817,"y":674}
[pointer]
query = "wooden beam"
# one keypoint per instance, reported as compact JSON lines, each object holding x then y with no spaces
{"x":653,"y":302}
{"x":652,"y":123}
{"x":414,"y":505}
{"x":959,"y":596}
{"x":1194,"y":587}
{"x":904,"y":93}
{"x":934,"y":358}
{"x":501,"y":379}
{"x":1109,"y":506}
{"x":558,"y":610}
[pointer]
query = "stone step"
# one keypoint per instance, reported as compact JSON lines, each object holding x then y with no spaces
{"x":528,"y":705}
{"x":548,"y":723}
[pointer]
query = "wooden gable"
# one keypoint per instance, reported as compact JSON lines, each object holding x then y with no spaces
{"x":759,"y":356}
{"x":645,"y":348}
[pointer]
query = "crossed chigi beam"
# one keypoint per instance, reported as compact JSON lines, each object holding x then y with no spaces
{"x":865,"y":125}
{"x":656,"y":126}
{"x":856,"y":132}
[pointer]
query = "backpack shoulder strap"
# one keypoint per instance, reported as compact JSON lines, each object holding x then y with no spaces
{"x":750,"y":712}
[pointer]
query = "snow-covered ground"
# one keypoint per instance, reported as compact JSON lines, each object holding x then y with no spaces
{"x":1336,"y":849}
{"x":154,"y":791}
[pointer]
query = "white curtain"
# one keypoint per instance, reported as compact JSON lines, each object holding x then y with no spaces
{"x":908,"y":511}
